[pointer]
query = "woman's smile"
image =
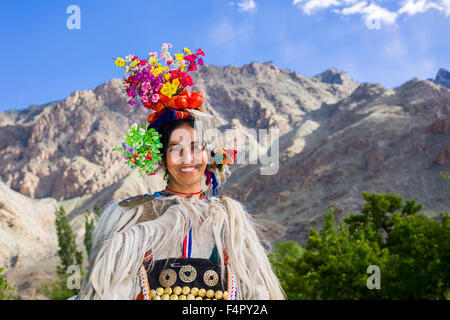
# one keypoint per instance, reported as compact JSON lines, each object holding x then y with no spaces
{"x":189,"y":169}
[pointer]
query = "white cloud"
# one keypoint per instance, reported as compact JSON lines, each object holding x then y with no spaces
{"x":245,"y":5}
{"x":374,"y":10}
{"x":446,"y":6}
{"x":412,"y":7}
{"x":371,"y":12}
{"x":309,"y":6}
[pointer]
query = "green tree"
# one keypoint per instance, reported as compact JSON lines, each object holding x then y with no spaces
{"x":380,"y":208}
{"x":446,"y":176}
{"x":89,"y":224}
{"x":413,"y":258}
{"x":284,"y":259}
{"x":333,"y":265}
{"x":69,"y":257}
{"x":6,"y":291}
{"x":419,"y":266}
{"x":67,"y":247}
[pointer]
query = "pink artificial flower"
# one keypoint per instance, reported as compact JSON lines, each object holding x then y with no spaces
{"x":146,"y":86}
{"x":153,"y":54}
{"x":200,"y":61}
{"x":155,"y":98}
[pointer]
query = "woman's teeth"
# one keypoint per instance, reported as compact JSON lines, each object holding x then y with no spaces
{"x":187,"y":169}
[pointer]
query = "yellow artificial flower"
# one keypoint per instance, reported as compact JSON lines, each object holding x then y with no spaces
{"x":182,"y":67}
{"x":152,"y":60}
{"x":176,"y":83}
{"x":120,"y":62}
{"x":158,"y":65}
{"x":168,"y":89}
{"x":179,"y":56}
{"x":187,"y":51}
{"x":167,"y":76}
{"x":134,"y":63}
{"x":156,"y":71}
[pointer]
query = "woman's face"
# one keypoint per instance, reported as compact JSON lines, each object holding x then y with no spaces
{"x":186,"y":159}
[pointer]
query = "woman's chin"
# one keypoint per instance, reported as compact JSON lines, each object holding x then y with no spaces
{"x":190,"y":177}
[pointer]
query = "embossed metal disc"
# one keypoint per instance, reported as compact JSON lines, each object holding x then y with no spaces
{"x":211,"y":278}
{"x":187,"y":273}
{"x":167,"y":278}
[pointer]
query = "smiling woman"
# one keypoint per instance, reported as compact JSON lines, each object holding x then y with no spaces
{"x":184,"y":157}
{"x":180,"y":243}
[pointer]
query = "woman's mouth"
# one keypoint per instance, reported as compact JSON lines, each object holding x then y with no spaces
{"x":188,"y":169}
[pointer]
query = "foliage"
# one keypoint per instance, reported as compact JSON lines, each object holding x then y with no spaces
{"x":70,"y":272}
{"x":67,"y":247}
{"x":446,"y":176}
{"x":411,"y":250}
{"x":6,"y":291}
{"x":89,"y":224}
{"x":419,"y":267}
{"x":60,"y":289}
{"x":380,"y":208}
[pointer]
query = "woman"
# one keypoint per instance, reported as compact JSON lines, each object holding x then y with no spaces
{"x":181,"y":242}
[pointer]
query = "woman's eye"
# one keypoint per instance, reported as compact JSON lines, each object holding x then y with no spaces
{"x":176,"y":149}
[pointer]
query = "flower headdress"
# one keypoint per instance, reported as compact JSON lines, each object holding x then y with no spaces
{"x":163,"y":89}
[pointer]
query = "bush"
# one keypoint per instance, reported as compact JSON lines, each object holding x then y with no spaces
{"x":412,"y":252}
{"x":6,"y":291}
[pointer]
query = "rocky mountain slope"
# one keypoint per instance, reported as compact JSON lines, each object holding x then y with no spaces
{"x":337,"y":138}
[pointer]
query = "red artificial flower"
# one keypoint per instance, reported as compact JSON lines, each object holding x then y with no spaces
{"x":200,"y":52}
{"x":142,"y":62}
{"x":192,"y":66}
{"x":189,"y":81}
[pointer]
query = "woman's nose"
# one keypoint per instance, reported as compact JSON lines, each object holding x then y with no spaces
{"x":187,"y":155}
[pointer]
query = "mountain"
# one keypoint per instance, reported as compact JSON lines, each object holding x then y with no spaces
{"x":337,"y":139}
{"x":443,"y":78}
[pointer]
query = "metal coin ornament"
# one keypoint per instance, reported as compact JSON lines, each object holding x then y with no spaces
{"x":188,"y":273}
{"x":167,"y":278}
{"x":211,"y":278}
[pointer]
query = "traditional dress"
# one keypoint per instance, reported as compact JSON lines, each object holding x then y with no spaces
{"x":162,"y":246}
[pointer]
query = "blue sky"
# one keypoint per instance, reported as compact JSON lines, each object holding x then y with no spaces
{"x":386,"y":42}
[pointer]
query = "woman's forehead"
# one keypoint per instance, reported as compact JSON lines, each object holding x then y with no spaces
{"x":183,"y":135}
